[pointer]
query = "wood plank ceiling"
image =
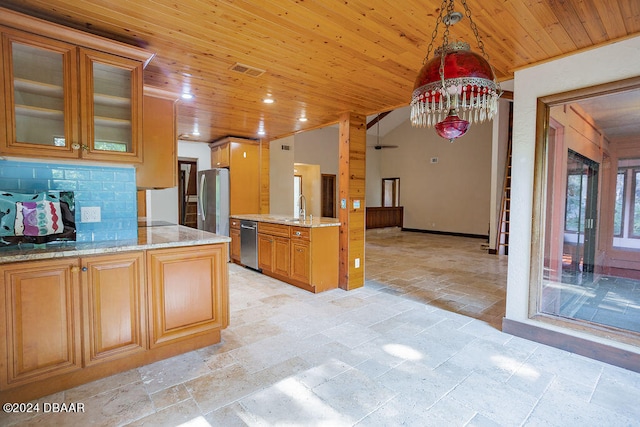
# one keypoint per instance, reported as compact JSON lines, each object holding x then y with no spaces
{"x":321,"y":57}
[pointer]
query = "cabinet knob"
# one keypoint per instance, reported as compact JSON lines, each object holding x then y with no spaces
{"x":299,"y":250}
{"x":84,"y":268}
{"x":75,"y":269}
{"x":297,"y":233}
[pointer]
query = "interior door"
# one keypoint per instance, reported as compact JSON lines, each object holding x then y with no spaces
{"x":580,"y":214}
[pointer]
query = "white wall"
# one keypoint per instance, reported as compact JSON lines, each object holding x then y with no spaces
{"x":596,"y":66}
{"x":162,"y":205}
{"x":281,"y":176}
{"x":452,"y":195}
{"x":373,"y":183}
{"x":319,"y":147}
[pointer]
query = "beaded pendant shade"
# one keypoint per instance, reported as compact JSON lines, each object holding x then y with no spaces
{"x":456,"y":87}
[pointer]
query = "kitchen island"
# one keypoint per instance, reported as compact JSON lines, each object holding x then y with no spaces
{"x":301,"y":252}
{"x":76,"y":311}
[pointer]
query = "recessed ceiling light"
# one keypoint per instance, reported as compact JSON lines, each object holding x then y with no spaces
{"x":261,"y":132}
{"x":187,"y":96}
{"x":303,"y":119}
{"x":268,"y":100}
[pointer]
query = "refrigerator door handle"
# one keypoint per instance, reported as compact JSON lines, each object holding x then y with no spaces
{"x":203,"y":191}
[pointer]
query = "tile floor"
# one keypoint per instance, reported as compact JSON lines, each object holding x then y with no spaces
{"x":607,"y":300}
{"x":417,"y":345}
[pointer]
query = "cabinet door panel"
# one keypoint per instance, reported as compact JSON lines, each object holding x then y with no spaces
{"x":282,"y":250}
{"x":115,"y":312}
{"x":265,"y":252}
{"x":300,"y":261}
{"x":188,"y":291}
{"x":111,"y":106}
{"x":40,"y":89}
{"x":235,"y":244}
{"x":244,"y":178}
{"x":41,"y":302}
{"x":160,"y":167}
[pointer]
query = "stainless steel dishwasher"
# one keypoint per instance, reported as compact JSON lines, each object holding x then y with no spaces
{"x":249,"y":243}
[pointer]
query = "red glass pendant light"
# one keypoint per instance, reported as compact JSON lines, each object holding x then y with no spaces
{"x":456,"y":87}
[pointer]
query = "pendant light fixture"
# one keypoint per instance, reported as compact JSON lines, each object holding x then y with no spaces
{"x":456,"y":87}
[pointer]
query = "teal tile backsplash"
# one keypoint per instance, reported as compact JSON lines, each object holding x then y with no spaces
{"x":113,"y":189}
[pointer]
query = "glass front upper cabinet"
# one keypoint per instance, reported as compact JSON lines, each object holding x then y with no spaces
{"x":69,"y":102}
{"x":111,"y":105}
{"x":40,"y":110}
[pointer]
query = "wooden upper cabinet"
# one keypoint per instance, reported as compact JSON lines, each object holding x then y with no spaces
{"x":220,"y":156}
{"x":40,"y":83}
{"x":110,"y":107}
{"x":159,"y":140}
{"x":69,"y":94}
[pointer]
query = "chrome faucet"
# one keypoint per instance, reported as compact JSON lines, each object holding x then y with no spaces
{"x":303,"y":208}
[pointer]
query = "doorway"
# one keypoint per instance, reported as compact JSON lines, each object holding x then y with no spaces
{"x":187,"y":193}
{"x":390,"y":192}
{"x":328,"y":203}
{"x":580,"y":222}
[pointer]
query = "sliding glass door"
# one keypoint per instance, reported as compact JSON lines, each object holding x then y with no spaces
{"x":580,"y":221}
{"x":586,"y":241}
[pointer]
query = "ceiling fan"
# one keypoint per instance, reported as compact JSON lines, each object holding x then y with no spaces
{"x":378,"y":146}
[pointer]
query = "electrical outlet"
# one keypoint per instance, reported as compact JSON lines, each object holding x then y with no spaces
{"x":90,"y":214}
{"x":357,"y":262}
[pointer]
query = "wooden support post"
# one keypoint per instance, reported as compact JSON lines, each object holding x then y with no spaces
{"x":352,"y":165}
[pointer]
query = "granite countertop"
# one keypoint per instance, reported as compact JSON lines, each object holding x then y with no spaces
{"x":148,"y":238}
{"x":287,"y":220}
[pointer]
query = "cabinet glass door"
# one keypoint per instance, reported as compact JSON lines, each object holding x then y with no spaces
{"x":112,"y":104}
{"x":112,"y":108}
{"x":40,"y":108}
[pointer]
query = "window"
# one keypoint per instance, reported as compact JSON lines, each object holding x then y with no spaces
{"x":626,"y":217}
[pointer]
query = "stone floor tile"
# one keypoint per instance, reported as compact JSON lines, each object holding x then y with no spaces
{"x":419,"y":345}
{"x":173,"y":371}
{"x":353,"y":394}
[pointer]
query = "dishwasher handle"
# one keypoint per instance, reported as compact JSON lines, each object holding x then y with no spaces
{"x":248,"y":227}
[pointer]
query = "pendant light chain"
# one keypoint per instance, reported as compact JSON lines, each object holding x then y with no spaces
{"x":443,"y":6}
{"x":445,"y":42}
{"x":474,"y":28}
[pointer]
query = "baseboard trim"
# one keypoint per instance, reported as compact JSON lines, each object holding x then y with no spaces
{"x":593,"y":350}
{"x":447,"y":233}
{"x":493,"y":252}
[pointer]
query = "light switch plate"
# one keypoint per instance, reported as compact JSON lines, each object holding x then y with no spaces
{"x":90,"y":214}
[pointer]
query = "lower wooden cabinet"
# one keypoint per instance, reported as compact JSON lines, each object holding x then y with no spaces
{"x":114,"y":309}
{"x":40,"y":303}
{"x":273,"y":254}
{"x":234,"y":233}
{"x":306,"y":257}
{"x":67,"y":321}
{"x":265,"y":252}
{"x":301,"y":261}
{"x":187,"y":290}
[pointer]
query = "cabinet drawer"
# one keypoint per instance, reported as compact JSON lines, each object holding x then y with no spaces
{"x":273,"y":229}
{"x":302,"y":233}
{"x":234,"y":223}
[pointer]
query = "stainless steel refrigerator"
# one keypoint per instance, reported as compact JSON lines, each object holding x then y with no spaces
{"x":213,"y":200}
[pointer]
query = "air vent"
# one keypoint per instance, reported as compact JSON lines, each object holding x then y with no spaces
{"x":245,"y":69}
